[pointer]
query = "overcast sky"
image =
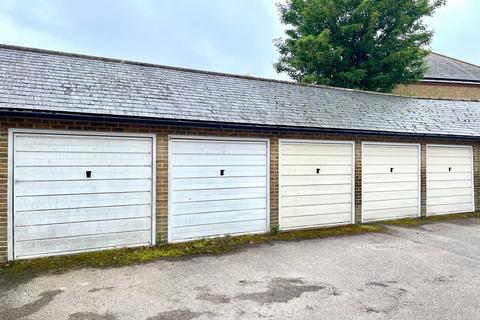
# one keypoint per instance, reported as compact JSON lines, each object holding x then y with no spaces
{"x":233,"y":36}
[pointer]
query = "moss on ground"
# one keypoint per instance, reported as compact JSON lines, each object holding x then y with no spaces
{"x":424,"y":220}
{"x":410,"y":222}
{"x":453,"y":216}
{"x":25,"y":269}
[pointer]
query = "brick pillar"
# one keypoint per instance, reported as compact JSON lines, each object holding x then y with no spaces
{"x":3,"y":193}
{"x":423,"y":177}
{"x":476,"y":175}
{"x":162,"y":187}
{"x":274,"y":212}
{"x":358,"y":181}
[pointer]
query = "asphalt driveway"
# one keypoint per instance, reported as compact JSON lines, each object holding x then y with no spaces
{"x":425,"y":272}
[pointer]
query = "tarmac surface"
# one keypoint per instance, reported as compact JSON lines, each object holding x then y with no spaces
{"x":425,"y":272}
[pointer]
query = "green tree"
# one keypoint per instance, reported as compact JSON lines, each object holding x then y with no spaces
{"x":362,"y":44}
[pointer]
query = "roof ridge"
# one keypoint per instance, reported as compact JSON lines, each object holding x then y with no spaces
{"x":458,"y":60}
{"x":230,"y":75}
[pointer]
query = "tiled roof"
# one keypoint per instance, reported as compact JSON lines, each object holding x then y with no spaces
{"x":443,"y":68}
{"x":43,"y":81}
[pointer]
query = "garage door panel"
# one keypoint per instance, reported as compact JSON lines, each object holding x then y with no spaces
{"x":386,"y":150}
{"x":218,"y":217}
{"x":221,"y":194}
{"x":315,"y":220}
{"x":218,"y":183}
{"x":390,"y":177}
{"x":205,"y":147}
{"x":449,"y":179}
{"x":214,"y":171}
{"x":311,"y":149}
{"x":316,"y":189}
{"x":391,"y":213}
{"x":40,"y":232}
{"x":25,"y":218}
{"x":448,"y":151}
{"x":30,"y":249}
{"x":78,"y":173}
{"x":315,"y":199}
{"x":377,"y":168}
{"x":390,"y":181}
{"x":294,"y":170}
{"x":442,"y":184}
{"x":442,"y":168}
{"x":57,"y":209}
{"x":390,"y":204}
{"x":186,"y":208}
{"x":447,"y":191}
{"x":450,"y":208}
{"x":316,"y":210}
{"x":78,"y":143}
{"x":390,"y":195}
{"x":81,"y":187}
{"x":314,"y":160}
{"x":449,"y":161}
{"x":390,"y":186}
{"x":113,"y":147}
{"x":49,"y":159}
{"x":218,"y":160}
{"x":450,"y":176}
{"x":205,"y":203}
{"x":214,"y":230}
{"x":315,"y":180}
{"x":81,"y":201}
{"x":391,"y":160}
{"x":432,"y":201}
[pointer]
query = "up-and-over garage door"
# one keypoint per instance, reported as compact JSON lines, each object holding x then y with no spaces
{"x":217,"y":187}
{"x":77,"y":192}
{"x":449,"y":179}
{"x":390,"y":181}
{"x":316,"y":183}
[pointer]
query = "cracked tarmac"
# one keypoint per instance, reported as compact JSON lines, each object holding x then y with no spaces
{"x":425,"y":272}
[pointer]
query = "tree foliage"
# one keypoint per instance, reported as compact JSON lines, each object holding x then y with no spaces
{"x":363,"y":44}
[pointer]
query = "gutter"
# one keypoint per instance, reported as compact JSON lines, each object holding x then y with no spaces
{"x":453,"y":81}
{"x":18,"y":113}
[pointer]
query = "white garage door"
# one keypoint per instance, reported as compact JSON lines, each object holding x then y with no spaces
{"x":75,"y":193}
{"x":390,"y":181}
{"x":449,"y":179}
{"x":316,"y":183}
{"x":217,"y":187}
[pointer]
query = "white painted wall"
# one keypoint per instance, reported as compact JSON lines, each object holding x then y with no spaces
{"x":449,"y":179}
{"x":390,"y":181}
{"x":204,"y":203}
{"x":316,"y":183}
{"x":58,"y":210}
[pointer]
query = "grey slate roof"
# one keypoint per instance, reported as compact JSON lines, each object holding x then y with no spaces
{"x":444,"y":68}
{"x":43,"y":81}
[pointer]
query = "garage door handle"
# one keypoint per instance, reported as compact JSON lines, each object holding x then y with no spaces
{"x":222,"y":172}
{"x":318,"y":170}
{"x":449,"y":169}
{"x":391,"y":169}
{"x":88,"y":174}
